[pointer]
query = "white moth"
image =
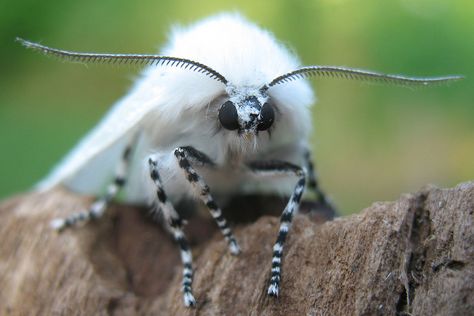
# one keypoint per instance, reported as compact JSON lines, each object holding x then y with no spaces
{"x":228,"y":105}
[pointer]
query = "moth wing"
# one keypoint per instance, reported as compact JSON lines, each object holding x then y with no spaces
{"x":91,"y":164}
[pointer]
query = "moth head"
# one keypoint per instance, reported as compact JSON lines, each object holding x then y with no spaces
{"x":246,"y":111}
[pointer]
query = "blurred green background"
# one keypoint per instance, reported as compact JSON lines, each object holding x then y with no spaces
{"x":371,"y":142}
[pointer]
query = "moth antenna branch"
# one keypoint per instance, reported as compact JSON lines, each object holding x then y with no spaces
{"x":359,"y":74}
{"x":138,"y":59}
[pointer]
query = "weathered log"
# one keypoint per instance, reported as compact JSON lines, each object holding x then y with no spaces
{"x":412,"y":256}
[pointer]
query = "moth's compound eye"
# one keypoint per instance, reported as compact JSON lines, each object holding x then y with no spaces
{"x":267,"y":116}
{"x":228,"y":116}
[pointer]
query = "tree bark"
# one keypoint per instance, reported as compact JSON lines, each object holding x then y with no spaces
{"x":411,"y":256}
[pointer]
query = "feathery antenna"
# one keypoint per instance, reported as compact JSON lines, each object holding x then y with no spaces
{"x":358,"y":74}
{"x":136,"y":59}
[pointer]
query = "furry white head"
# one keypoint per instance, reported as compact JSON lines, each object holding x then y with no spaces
{"x":249,"y":58}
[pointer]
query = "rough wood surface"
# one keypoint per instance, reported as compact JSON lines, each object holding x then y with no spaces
{"x":414,"y":255}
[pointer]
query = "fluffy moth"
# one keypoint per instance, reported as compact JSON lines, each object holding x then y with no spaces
{"x":223,"y":104}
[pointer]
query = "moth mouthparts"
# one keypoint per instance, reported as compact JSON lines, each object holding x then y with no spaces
{"x":248,"y":135}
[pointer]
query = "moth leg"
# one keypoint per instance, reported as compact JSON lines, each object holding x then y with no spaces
{"x":274,"y":168}
{"x":175,"y":223}
{"x":313,"y":183}
{"x":184,"y":155}
{"x":97,"y":209}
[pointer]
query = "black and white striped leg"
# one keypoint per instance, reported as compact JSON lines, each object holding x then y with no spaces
{"x":97,"y":209}
{"x":184,"y":156}
{"x":274,"y":168}
{"x":175,"y":224}
{"x":313,"y":183}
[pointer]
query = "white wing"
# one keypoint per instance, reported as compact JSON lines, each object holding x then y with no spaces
{"x":91,"y":163}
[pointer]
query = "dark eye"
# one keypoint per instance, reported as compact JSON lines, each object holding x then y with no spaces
{"x":228,"y":116}
{"x":267,"y":116}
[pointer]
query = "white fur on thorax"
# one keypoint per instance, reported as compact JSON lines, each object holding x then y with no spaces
{"x":177,"y":107}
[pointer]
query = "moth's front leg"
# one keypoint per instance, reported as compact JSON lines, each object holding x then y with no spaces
{"x":186,"y":156}
{"x":274,"y":168}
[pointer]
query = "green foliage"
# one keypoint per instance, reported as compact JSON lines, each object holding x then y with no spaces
{"x":371,"y":142}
